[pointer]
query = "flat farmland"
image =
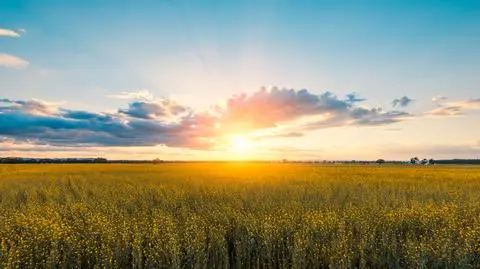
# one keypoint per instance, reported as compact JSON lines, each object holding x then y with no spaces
{"x":239,"y":215}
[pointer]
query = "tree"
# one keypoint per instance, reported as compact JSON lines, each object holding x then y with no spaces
{"x":380,"y":161}
{"x":431,"y":161}
{"x":157,"y":160}
{"x":414,"y":160}
{"x":100,"y":160}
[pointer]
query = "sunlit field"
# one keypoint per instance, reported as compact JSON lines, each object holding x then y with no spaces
{"x":239,"y":215}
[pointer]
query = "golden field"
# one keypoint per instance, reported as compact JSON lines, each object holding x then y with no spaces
{"x":239,"y":215}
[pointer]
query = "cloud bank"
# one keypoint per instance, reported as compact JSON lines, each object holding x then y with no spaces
{"x":275,"y":111}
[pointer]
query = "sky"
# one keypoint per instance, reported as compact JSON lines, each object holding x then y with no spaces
{"x":228,"y":80}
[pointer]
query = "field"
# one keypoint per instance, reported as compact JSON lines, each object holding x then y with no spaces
{"x":239,"y":215}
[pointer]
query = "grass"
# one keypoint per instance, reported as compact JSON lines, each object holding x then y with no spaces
{"x":239,"y":215}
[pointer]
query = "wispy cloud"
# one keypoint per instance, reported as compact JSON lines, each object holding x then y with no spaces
{"x":276,"y":111}
{"x":144,"y":95}
{"x":11,"y":61}
{"x":454,"y":109}
{"x":402,"y":102}
{"x":11,"y":33}
{"x":439,"y":98}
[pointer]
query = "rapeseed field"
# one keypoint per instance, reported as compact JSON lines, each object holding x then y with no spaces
{"x":239,"y":215}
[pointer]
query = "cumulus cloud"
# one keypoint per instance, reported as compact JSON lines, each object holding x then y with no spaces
{"x":164,"y":108}
{"x":278,"y":112}
{"x":402,"y":102}
{"x":302,"y":109}
{"x":453,"y":109}
{"x":11,"y":33}
{"x":34,"y":122}
{"x":11,"y":61}
{"x":265,"y":108}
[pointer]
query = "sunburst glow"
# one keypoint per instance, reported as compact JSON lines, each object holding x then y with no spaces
{"x":241,"y":144}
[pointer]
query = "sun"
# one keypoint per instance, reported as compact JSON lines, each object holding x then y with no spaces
{"x":241,"y":144}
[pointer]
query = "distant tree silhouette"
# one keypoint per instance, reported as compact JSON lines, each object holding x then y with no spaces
{"x":157,"y":160}
{"x":380,"y":161}
{"x":100,"y":160}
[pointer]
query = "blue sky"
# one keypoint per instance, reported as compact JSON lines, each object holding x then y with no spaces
{"x":87,"y":55}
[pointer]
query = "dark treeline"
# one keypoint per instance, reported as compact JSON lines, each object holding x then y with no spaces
{"x":458,"y":161}
{"x":15,"y":160}
{"x":18,"y":160}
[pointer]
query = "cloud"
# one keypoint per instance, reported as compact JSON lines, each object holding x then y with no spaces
{"x":267,"y":108}
{"x":352,"y":98}
{"x":402,"y":102}
{"x":35,"y":107}
{"x":473,"y":104}
{"x":376,"y":116}
{"x":164,"y":108}
{"x":454,"y":109}
{"x":144,"y":95}
{"x":40,"y":124}
{"x":7,"y":60}
{"x":11,"y":33}
{"x":393,"y":129}
{"x":445,"y":111}
{"x":275,"y":112}
{"x":439,"y":99}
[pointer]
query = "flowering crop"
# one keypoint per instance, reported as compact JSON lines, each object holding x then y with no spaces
{"x":239,"y":215}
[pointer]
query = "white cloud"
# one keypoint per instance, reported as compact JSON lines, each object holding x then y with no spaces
{"x":11,"y":33}
{"x":144,"y":95}
{"x":439,"y":98}
{"x":11,"y":61}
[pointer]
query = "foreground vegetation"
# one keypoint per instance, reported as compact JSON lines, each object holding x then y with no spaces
{"x":239,"y":216}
